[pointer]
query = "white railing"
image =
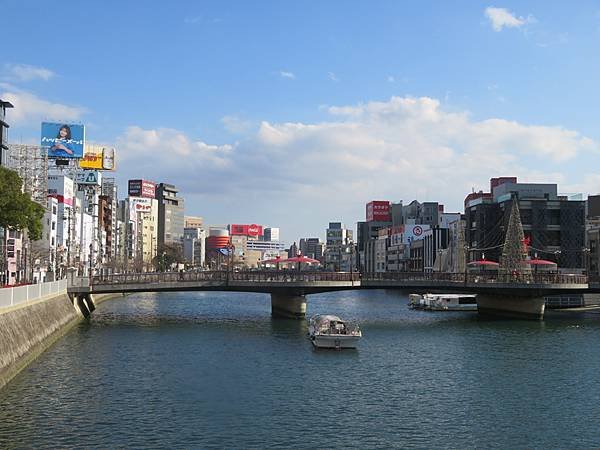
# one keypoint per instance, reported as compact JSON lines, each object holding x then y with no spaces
{"x":30,"y":293}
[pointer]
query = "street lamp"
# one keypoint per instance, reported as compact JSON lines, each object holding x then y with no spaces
{"x":586,"y":262}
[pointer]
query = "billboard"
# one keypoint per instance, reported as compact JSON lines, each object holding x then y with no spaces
{"x":63,"y":140}
{"x":139,"y":205}
{"x":414,"y":232}
{"x":89,"y":178}
{"x":378,"y":211}
{"x":141,"y":188}
{"x":97,"y":157}
{"x":246,"y":230}
{"x":61,"y":188}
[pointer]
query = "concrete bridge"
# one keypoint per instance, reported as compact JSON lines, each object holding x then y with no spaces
{"x":506,"y":295}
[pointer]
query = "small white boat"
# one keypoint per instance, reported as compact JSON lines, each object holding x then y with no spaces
{"x":443,"y":302}
{"x":327,"y":331}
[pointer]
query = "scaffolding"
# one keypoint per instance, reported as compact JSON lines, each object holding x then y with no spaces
{"x":31,"y":163}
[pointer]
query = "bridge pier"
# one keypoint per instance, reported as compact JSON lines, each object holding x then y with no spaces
{"x":84,"y":304}
{"x":511,"y":306}
{"x":289,"y":305}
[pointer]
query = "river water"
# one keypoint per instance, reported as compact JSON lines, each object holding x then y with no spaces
{"x":214,"y":370}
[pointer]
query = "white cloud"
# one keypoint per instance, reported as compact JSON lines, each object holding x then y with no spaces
{"x":502,"y":17}
{"x":332,"y":77}
{"x":25,"y":72}
{"x":289,"y":75}
{"x":397,"y":149}
{"x":30,"y":108}
{"x":235,"y":125}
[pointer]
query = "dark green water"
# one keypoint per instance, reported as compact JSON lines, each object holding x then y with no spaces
{"x":213,"y":370}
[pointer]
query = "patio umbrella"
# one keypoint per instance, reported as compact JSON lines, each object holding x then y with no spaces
{"x":536,"y":262}
{"x":540,"y":262}
{"x":484,"y":264}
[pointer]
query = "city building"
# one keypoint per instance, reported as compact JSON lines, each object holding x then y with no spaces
{"x":3,"y":130}
{"x":553,"y":225}
{"x":170,"y":215}
{"x":338,"y":238}
{"x":110,"y":191}
{"x":194,"y":245}
{"x":313,"y":248}
{"x":193,"y":222}
{"x":271,"y":234}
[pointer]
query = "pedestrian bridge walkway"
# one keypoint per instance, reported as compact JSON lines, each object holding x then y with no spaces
{"x":522,"y":295}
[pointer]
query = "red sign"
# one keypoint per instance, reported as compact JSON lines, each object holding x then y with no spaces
{"x":141,"y":188}
{"x":378,"y":211}
{"x":246,"y":230}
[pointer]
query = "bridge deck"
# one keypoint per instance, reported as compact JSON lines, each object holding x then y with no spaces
{"x":304,"y":282}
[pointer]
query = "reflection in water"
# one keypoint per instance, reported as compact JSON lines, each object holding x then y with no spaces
{"x":215,"y":370}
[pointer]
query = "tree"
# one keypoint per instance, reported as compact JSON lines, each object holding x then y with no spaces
{"x":17,"y":210}
{"x":168,"y":254}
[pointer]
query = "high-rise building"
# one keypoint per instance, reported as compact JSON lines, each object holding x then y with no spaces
{"x":194,"y":246}
{"x":312,"y":248}
{"x":3,"y":130}
{"x":553,"y":225}
{"x":170,"y":215}
{"x":338,"y":238}
{"x":271,"y":234}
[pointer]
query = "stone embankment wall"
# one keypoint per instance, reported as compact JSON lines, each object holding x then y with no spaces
{"x":28,"y":329}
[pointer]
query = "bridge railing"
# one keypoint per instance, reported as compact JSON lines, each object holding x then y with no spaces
{"x":267,"y":276}
{"x":442,"y":277}
{"x":285,"y":276}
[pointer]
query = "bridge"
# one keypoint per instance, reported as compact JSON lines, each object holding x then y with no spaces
{"x":504,"y":295}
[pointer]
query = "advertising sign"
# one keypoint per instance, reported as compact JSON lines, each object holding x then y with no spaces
{"x":378,"y":211}
{"x":414,"y":232}
{"x":141,"y":188}
{"x":61,"y":188}
{"x":139,"y":205}
{"x":63,"y":140}
{"x":246,"y":230}
{"x":89,"y":178}
{"x":97,"y":157}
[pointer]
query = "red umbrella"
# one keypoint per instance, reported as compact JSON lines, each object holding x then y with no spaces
{"x":273,"y":261}
{"x":540,"y":262}
{"x":301,"y":259}
{"x":483,"y":262}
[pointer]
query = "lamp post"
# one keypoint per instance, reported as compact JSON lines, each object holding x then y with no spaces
{"x":586,"y":262}
{"x":466,"y":249}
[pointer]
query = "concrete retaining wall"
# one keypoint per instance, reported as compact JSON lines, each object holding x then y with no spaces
{"x":28,"y":330}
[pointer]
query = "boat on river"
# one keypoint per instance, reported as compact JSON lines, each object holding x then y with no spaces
{"x":443,"y":302}
{"x":328,"y":331}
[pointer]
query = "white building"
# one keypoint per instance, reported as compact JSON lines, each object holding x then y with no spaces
{"x":194,"y":246}
{"x":271,"y":234}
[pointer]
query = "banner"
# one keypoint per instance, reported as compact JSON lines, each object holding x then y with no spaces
{"x":63,"y":140}
{"x":97,"y":157}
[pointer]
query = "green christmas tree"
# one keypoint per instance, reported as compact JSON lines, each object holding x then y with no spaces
{"x":514,"y":252}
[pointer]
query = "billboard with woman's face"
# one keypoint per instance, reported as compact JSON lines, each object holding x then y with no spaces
{"x":63,"y":140}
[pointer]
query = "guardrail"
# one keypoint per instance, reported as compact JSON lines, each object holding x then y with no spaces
{"x":283,"y":276}
{"x":224,"y":276}
{"x":30,"y":293}
{"x":533,"y":278}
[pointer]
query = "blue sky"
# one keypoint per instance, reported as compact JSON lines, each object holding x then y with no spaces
{"x":292,"y":114}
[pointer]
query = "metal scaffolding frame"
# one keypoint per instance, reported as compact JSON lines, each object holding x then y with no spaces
{"x":31,"y":163}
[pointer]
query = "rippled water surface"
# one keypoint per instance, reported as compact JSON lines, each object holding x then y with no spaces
{"x":214,"y":370}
